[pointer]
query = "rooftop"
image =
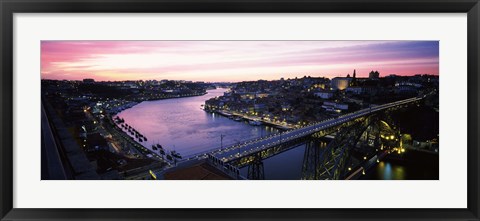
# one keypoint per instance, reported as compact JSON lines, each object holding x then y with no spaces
{"x":201,"y":171}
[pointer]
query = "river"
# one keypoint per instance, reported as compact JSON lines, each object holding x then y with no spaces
{"x":180,"y":124}
{"x":416,"y":165}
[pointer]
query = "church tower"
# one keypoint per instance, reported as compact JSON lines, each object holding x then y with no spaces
{"x":354,"y":79}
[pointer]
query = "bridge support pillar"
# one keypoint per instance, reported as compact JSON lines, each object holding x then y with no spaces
{"x":311,"y":160}
{"x":255,"y":169}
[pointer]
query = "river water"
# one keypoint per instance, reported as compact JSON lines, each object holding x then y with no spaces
{"x":181,"y":125}
{"x":416,"y":165}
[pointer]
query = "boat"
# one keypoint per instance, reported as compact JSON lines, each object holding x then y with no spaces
{"x":237,"y":118}
{"x":162,"y":152}
{"x":145,"y":138}
{"x":159,"y":147}
{"x":169,"y":157}
{"x":255,"y":122}
{"x":225,"y":114}
{"x":154,"y":147}
{"x":176,"y":155}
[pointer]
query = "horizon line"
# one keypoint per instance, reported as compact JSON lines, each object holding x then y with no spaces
{"x":277,"y":79}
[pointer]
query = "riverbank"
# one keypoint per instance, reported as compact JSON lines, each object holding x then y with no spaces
{"x":113,"y":128}
{"x":124,"y":106}
{"x":169,"y":159}
{"x":131,"y":134}
{"x":239,"y":116}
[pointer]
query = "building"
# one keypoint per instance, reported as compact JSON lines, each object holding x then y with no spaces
{"x":353,"y":82}
{"x":324,"y":94}
{"x":259,"y":107}
{"x":334,"y":107}
{"x":88,"y":81}
{"x":355,"y":90}
{"x":340,"y":83}
{"x":261,"y":95}
{"x":96,"y":141}
{"x":286,"y":107}
{"x":406,"y":89}
{"x":374,"y":75}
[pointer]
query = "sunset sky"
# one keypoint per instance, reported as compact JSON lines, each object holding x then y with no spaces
{"x":233,"y":60}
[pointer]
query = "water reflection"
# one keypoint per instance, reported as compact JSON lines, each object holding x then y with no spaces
{"x":180,"y":124}
{"x":387,"y":171}
{"x":284,"y":166}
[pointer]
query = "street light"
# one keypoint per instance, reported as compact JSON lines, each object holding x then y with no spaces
{"x":221,"y":140}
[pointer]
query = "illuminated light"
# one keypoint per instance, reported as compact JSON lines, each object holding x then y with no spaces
{"x":349,"y":168}
{"x":152,"y":174}
{"x":378,"y":161}
{"x":364,"y":158}
{"x":403,"y":150}
{"x":363,"y":172}
{"x":392,"y":137}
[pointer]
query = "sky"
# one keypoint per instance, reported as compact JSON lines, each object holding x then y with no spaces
{"x":233,"y":61}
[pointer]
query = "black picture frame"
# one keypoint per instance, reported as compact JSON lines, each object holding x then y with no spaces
{"x":9,"y":7}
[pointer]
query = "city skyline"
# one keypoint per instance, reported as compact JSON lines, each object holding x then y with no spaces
{"x":233,"y":61}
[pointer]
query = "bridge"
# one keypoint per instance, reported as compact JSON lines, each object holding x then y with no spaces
{"x":254,"y":150}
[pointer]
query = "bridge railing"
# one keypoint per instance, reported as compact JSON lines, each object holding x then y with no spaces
{"x":227,"y":168}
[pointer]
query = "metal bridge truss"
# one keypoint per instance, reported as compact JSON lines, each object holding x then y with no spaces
{"x":321,"y":163}
{"x":266,"y":153}
{"x":255,"y":169}
{"x":282,"y":147}
{"x":327,"y":162}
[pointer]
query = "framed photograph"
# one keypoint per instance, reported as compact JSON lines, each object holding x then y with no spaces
{"x":239,"y":110}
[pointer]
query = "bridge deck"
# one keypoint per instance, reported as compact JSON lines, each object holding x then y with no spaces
{"x":256,"y":145}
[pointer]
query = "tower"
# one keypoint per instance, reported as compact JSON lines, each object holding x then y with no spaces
{"x":374,"y":75}
{"x":255,"y":170}
{"x":354,"y":79}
